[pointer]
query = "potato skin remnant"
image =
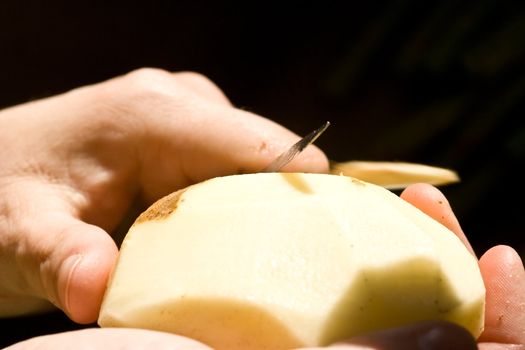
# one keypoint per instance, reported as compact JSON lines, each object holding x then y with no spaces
{"x":162,"y":208}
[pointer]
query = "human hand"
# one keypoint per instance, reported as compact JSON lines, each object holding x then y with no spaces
{"x":72,"y":165}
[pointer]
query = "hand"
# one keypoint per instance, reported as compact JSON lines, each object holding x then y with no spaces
{"x":72,"y":165}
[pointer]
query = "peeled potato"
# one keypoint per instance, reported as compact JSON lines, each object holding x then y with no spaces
{"x":278,"y":261}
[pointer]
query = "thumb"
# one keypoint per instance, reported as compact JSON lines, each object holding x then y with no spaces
{"x":82,"y":270}
{"x":55,"y":257}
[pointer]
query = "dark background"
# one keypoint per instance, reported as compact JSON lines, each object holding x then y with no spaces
{"x":435,"y":82}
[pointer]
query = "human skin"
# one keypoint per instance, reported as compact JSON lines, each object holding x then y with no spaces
{"x":72,"y":166}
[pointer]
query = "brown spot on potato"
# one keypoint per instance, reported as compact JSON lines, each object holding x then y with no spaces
{"x":161,"y":208}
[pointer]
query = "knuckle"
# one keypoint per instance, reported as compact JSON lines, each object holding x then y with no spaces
{"x":129,"y":100}
{"x":143,"y":91}
{"x":147,"y":74}
{"x":154,"y":84}
{"x":195,"y":77}
{"x":145,"y":86}
{"x":201,"y":85}
{"x":146,"y":81}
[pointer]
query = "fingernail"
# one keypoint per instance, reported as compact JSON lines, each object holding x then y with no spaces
{"x":430,"y":335}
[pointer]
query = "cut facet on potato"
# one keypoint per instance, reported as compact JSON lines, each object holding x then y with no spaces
{"x":280,"y":261}
{"x":394,"y":175}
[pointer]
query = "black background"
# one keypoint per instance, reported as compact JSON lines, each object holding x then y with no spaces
{"x":435,"y":82}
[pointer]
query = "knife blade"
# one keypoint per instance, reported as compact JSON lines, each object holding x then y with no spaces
{"x":286,"y":157}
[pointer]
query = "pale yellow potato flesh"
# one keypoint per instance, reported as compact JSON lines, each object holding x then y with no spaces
{"x":278,"y":261}
{"x":395,"y":175}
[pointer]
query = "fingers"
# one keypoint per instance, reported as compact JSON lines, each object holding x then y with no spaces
{"x":110,"y":339}
{"x":431,"y":201}
{"x":504,"y":276}
{"x":185,"y":133}
{"x":226,"y":142}
{"x":424,"y":335}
